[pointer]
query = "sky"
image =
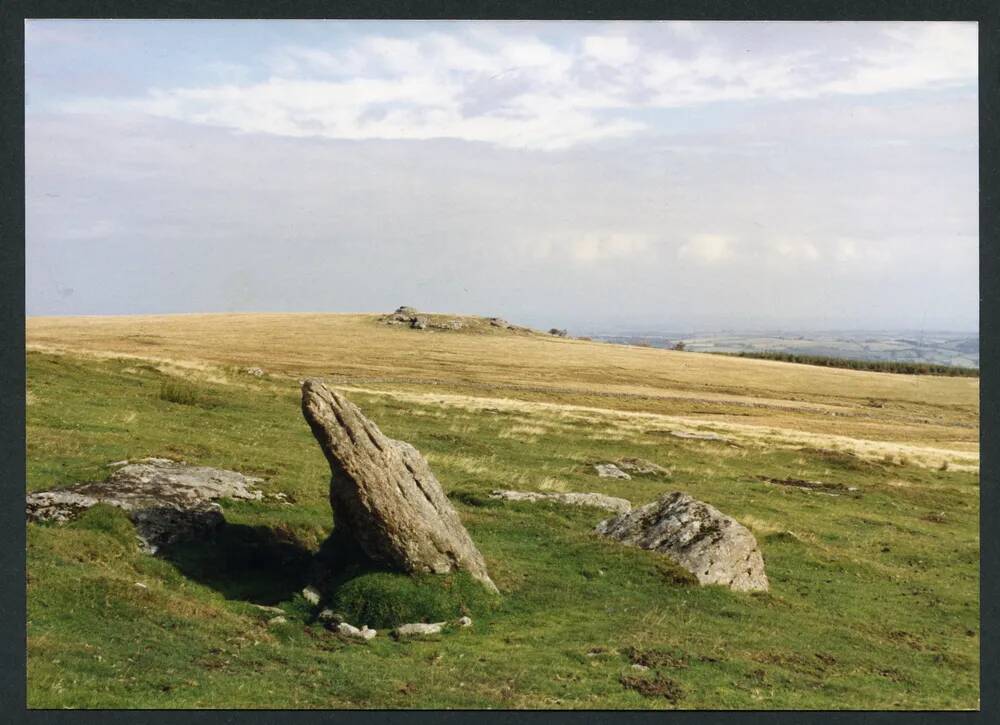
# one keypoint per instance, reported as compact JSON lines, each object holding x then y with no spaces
{"x":583,"y":175}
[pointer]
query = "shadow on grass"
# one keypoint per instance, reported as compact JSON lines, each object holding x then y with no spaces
{"x":268,"y":566}
{"x":256,"y":564}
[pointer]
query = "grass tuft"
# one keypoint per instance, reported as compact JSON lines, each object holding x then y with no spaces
{"x":183,"y":393}
{"x":384,"y":599}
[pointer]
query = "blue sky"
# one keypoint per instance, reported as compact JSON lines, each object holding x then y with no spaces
{"x":681,"y":175}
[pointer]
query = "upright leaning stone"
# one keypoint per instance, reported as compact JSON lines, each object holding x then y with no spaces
{"x":385,"y":498}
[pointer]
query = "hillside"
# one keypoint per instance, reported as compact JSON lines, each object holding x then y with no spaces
{"x":874,"y":593}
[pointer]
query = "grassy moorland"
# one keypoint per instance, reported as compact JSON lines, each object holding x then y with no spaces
{"x":874,"y":592}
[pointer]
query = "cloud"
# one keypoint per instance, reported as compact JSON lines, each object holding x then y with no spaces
{"x":794,"y":250}
{"x":517,"y":89}
{"x":594,"y":247}
{"x":707,"y":248}
{"x":861,"y":252}
{"x":585,"y":248}
{"x":610,"y":49}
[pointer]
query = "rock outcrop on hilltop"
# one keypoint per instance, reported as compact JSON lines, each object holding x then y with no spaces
{"x":409,"y":317}
{"x":166,"y":500}
{"x":714,"y":547}
{"x":387,"y":503}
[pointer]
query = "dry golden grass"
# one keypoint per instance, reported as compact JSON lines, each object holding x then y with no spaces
{"x":931,"y":420}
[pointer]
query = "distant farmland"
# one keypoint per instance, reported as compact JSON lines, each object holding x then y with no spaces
{"x":878,"y":366}
{"x":950,"y":349}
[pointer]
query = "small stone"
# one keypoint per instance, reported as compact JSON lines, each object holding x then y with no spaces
{"x":328,"y":615}
{"x":597,"y":500}
{"x":273,"y":610}
{"x":641,"y":466}
{"x":351,"y":631}
{"x":640,"y":668}
{"x":419,"y":323}
{"x":141,"y":585}
{"x":311,"y":595}
{"x":610,"y":470}
{"x":465,"y":622}
{"x":277,"y":620}
{"x":418,"y":629}
{"x":256,"y":372}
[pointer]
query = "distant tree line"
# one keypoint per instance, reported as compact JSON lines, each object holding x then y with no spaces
{"x":878,"y":366}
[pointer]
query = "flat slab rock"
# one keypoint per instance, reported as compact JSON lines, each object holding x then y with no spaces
{"x":641,"y":466}
{"x":597,"y":500}
{"x":166,"y":500}
{"x":610,"y":470}
{"x":714,"y":547}
{"x":385,"y":499}
{"x":418,"y":629}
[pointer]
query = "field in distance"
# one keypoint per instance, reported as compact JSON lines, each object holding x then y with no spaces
{"x":874,"y":593}
{"x":935,"y":348}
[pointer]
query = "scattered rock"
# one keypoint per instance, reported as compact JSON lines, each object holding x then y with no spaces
{"x":499,"y":322}
{"x":277,"y":620}
{"x":283,"y":498}
{"x":557,"y":332}
{"x":829,"y":489}
{"x":328,"y":615}
{"x":351,"y":631}
{"x":418,"y":629}
{"x":640,"y":668}
{"x":311,"y":595}
{"x":714,"y":547}
{"x":266,"y":608}
{"x":465,"y":622}
{"x":610,"y":470}
{"x":255,"y":372}
{"x":404,"y":311}
{"x":697,"y":436}
{"x":386,"y":501}
{"x":419,"y":323}
{"x":165,"y":499}
{"x":597,"y":500}
{"x":641,"y":467}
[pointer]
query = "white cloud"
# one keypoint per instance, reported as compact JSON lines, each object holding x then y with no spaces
{"x":862,"y":252}
{"x":707,"y":248}
{"x":794,"y":250}
{"x":588,"y":247}
{"x":596,"y":247}
{"x":519,"y":91}
{"x":610,"y":49}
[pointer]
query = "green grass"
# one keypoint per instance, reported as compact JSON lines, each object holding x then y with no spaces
{"x":873,"y":603}
{"x":385,"y":599}
{"x":878,"y":366}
